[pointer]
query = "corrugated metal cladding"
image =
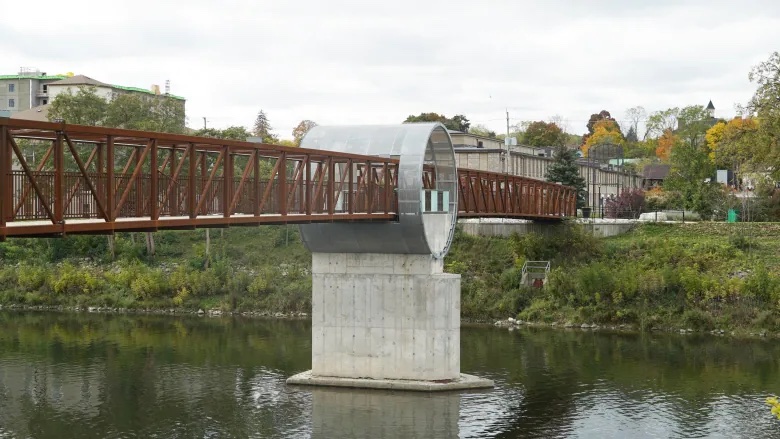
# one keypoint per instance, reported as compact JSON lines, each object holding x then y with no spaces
{"x":415,"y":145}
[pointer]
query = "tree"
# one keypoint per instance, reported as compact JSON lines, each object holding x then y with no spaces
{"x":482,"y":130}
{"x":458,"y":123}
{"x":299,"y":131}
{"x":733,"y":145}
{"x":85,"y":107}
{"x":765,"y":105}
{"x":542,"y":133}
{"x":631,"y":136}
{"x":691,"y":174}
{"x":664,"y":145}
{"x":634,"y":116}
{"x":605,"y":131}
{"x":661,"y":121}
{"x":564,"y":170}
{"x":231,"y":133}
{"x":596,"y":117}
{"x":693,"y":122}
{"x":262,"y":128}
{"x":129,"y":111}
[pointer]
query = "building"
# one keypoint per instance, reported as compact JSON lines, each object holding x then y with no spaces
{"x":27,"y":89}
{"x":602,"y":180}
{"x":28,"y":94}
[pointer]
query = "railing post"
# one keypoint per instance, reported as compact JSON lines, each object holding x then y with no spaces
{"x":307,"y":182}
{"x":351,"y":197}
{"x":110,"y":180}
{"x":256,"y":185}
{"x":282,"y":179}
{"x":331,"y":186}
{"x":6,"y":179}
{"x":173,"y":197}
{"x":154,"y":196}
{"x":191,"y":189}
{"x":227,"y":181}
{"x":59,"y":198}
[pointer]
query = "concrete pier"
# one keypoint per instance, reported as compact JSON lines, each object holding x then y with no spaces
{"x":386,"y":321}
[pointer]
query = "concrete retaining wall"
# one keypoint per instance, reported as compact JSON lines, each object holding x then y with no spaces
{"x":505,"y":228}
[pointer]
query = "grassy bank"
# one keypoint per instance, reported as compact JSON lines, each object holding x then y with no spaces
{"x":264,"y":269}
{"x":698,"y":275}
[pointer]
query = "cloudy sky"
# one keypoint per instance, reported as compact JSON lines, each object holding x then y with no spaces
{"x":367,"y":62}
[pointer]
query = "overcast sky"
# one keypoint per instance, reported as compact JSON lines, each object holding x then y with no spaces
{"x":376,"y":62}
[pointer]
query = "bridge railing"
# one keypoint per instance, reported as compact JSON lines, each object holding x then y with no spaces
{"x":492,"y":194}
{"x":133,"y":180}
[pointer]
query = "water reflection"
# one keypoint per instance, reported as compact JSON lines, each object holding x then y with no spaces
{"x":349,"y":413}
{"x":95,"y":376}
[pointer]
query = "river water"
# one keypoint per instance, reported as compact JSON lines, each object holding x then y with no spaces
{"x":99,"y":376}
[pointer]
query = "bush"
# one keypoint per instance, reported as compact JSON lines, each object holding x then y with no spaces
{"x":697,"y":319}
{"x":73,"y":281}
{"x":629,"y":204}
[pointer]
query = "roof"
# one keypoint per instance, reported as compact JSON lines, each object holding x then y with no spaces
{"x":86,"y":80}
{"x":40,"y":77}
{"x":710,"y":106}
{"x":39,"y":113}
{"x":80,"y":80}
{"x":656,"y":172}
{"x":143,"y":90}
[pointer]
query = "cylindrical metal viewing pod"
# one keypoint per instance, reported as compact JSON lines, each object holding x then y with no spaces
{"x":427,"y":213}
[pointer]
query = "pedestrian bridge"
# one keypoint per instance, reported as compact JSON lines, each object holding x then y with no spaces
{"x":60,"y":179}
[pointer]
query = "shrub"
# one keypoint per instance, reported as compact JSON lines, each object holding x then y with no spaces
{"x":697,"y":319}
{"x":72,"y":281}
{"x":629,"y":204}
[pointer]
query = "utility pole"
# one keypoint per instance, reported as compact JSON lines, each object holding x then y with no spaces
{"x":507,"y":123}
{"x":204,"y":122}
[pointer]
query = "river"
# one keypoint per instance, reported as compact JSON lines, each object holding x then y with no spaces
{"x":128,"y":376}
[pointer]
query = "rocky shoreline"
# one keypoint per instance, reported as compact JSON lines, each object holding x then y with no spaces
{"x":512,"y":324}
{"x":151,"y":311}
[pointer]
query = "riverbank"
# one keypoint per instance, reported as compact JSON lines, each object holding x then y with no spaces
{"x":700,"y":276}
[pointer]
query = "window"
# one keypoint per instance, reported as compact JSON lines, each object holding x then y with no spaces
{"x":45,"y":88}
{"x":11,"y":103}
{"x":45,"y":101}
{"x":11,"y":88}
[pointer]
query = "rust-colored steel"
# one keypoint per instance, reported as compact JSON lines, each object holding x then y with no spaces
{"x":218,"y":183}
{"x":492,"y":194}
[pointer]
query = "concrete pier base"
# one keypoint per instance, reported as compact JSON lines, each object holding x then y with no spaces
{"x":385,"y":321}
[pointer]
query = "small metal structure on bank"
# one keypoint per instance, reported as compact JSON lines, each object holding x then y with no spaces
{"x":58,"y":179}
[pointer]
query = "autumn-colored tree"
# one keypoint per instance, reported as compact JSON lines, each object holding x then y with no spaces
{"x":605,"y":131}
{"x":665,"y":144}
{"x":299,"y":131}
{"x":734,"y":143}
{"x":541,"y":133}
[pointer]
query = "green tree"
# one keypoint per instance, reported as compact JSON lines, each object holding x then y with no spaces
{"x":564,"y":170}
{"x":232,"y":133}
{"x":482,"y":130}
{"x":262,"y":128}
{"x":458,"y":123}
{"x":542,"y":133}
{"x":765,"y":104}
{"x":691,"y":174}
{"x":299,"y":131}
{"x":130,"y":111}
{"x":85,"y":107}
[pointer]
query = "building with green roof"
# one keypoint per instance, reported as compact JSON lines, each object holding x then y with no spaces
{"x":32,"y":88}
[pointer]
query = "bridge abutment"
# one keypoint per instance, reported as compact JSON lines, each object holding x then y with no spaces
{"x":387,"y":321}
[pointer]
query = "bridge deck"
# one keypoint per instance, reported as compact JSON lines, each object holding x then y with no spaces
{"x":58,"y":179}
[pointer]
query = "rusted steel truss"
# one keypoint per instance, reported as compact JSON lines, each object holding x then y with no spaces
{"x":491,"y":194}
{"x":99,"y":180}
